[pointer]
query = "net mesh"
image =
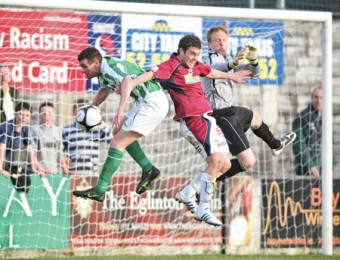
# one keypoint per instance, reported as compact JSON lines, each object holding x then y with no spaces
{"x":41,"y":48}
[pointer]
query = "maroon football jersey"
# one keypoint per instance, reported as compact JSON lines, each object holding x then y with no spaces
{"x":184,"y":86}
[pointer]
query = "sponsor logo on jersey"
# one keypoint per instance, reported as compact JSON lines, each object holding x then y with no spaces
{"x":190,"y":79}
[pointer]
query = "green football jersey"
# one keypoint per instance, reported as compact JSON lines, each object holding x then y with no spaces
{"x":114,"y":70}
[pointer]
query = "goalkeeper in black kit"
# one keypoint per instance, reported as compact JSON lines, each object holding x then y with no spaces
{"x":235,"y":120}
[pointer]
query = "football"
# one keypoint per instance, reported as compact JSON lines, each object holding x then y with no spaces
{"x":89,"y":117}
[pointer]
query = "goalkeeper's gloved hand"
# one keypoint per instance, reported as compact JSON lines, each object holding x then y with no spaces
{"x":252,"y":55}
{"x":238,"y":58}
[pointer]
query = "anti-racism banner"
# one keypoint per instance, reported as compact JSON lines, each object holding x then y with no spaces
{"x":128,"y":219}
{"x":268,"y":37}
{"x":35,"y":220}
{"x":41,"y":48}
{"x":291,"y":213}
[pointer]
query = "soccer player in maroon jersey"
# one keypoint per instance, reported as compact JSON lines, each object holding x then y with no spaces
{"x":180,"y":75}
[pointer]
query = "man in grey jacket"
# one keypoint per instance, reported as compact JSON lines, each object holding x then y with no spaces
{"x":235,"y":120}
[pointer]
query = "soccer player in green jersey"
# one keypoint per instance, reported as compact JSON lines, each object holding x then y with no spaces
{"x":151,"y":108}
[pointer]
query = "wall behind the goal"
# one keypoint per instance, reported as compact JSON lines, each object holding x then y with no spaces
{"x":41,"y":47}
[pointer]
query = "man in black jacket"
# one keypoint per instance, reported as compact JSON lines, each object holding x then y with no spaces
{"x":307,"y":146}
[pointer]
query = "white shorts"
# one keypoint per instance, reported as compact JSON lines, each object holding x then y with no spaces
{"x":204,"y":134}
{"x":148,"y":113}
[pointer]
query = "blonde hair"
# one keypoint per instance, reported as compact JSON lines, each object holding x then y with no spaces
{"x":216,"y":29}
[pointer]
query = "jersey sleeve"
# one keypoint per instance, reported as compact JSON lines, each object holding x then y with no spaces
{"x":204,"y":69}
{"x":112,"y":73}
{"x":255,"y":70}
{"x":162,"y":71}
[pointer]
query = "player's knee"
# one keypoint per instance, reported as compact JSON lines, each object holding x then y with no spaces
{"x":114,"y":142}
{"x":117,"y":143}
{"x":218,"y":161}
{"x":249,"y":161}
{"x":256,"y":120}
{"x":226,"y":166}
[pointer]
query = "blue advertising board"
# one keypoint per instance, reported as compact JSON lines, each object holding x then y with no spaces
{"x":268,"y":37}
{"x":104,"y":33}
{"x":150,"y":39}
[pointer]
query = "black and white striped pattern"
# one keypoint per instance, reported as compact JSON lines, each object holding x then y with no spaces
{"x":83,"y":148}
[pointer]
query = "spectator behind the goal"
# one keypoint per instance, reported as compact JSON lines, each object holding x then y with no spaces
{"x":17,"y":157}
{"x":307,"y":146}
{"x":236,"y":120}
{"x":47,"y":139}
{"x":8,"y":94}
{"x":81,"y":149}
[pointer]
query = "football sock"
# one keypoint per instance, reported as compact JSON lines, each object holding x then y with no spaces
{"x":207,"y":190}
{"x":113,"y":160}
{"x":139,"y":156}
{"x":266,"y":135}
{"x":194,"y":187}
{"x":235,"y":168}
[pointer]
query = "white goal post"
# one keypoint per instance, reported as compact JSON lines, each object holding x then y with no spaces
{"x":324,"y":18}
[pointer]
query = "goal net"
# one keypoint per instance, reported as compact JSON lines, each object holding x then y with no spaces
{"x":268,"y":209}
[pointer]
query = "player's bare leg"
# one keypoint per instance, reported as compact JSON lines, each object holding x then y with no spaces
{"x":115,"y":155}
{"x":217,"y":162}
{"x":244,"y":161}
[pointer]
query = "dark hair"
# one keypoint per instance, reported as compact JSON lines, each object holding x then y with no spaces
{"x":80,"y":102}
{"x":90,"y":53}
{"x":188,"y":41}
{"x":23,"y":105}
{"x":45,"y":104}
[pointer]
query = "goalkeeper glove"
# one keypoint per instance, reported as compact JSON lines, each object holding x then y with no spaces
{"x":252,"y":55}
{"x":239,"y":58}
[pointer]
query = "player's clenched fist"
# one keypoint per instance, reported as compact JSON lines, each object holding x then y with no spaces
{"x":239,"y":57}
{"x":252,"y":54}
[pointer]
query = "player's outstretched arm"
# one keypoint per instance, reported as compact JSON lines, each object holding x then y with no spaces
{"x":126,"y":87}
{"x":146,"y":76}
{"x":125,"y":91}
{"x":100,"y":96}
{"x":237,"y":77}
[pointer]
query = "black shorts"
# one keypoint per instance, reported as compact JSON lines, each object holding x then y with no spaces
{"x":234,"y":122}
